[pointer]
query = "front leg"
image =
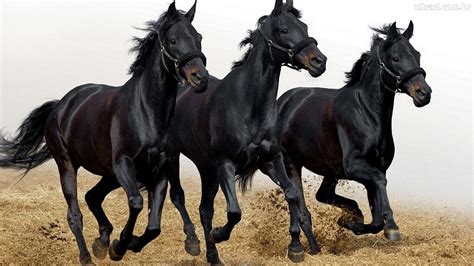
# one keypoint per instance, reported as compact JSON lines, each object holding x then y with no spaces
{"x":156,"y":197}
{"x":191,"y":244}
{"x":298,"y":211}
{"x":226,"y":175}
{"x":294,"y":173}
{"x":209,"y":186}
{"x":125,"y":172}
{"x":358,"y":169}
{"x":391,"y":230}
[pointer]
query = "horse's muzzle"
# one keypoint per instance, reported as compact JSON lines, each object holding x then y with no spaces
{"x":422,"y":97}
{"x":199,"y":81}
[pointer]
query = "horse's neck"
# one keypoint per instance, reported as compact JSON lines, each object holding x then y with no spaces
{"x":260,"y":86}
{"x":378,"y":100}
{"x":154,"y":93}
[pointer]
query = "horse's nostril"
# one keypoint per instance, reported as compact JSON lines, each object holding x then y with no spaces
{"x":317,"y":60}
{"x":197,"y":75}
{"x":421,"y":93}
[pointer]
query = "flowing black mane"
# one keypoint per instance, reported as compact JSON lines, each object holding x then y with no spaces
{"x":144,"y":46}
{"x":254,"y":36}
{"x":355,"y":74}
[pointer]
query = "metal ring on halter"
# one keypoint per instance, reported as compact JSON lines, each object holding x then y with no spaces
{"x":399,"y":80}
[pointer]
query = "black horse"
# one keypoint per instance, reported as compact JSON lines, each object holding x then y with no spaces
{"x":347,"y":133}
{"x":231,"y":128}
{"x":119,"y":133}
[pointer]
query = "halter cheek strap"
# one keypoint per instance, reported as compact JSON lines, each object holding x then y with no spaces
{"x":179,"y":62}
{"x":399,"y":79}
{"x":291,"y":52}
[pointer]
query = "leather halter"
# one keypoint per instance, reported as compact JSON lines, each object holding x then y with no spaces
{"x":291,"y":52}
{"x":179,"y":62}
{"x":399,"y":79}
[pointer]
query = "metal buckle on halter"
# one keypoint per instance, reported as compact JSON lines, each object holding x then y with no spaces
{"x":291,"y":53}
{"x":397,"y":88}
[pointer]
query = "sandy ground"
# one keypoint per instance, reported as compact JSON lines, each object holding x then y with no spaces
{"x":33,"y":228}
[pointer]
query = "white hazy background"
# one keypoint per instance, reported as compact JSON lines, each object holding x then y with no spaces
{"x":49,"y":47}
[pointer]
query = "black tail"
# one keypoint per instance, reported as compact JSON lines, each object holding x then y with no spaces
{"x":27,"y":149}
{"x":244,"y":180}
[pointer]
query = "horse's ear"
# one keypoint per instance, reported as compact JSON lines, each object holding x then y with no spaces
{"x":191,"y":12}
{"x":278,"y":4}
{"x":172,"y":9}
{"x":409,"y":31}
{"x":289,"y":3}
{"x":393,"y":29}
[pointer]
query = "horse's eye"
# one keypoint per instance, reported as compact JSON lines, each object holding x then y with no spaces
{"x":396,"y":59}
{"x":284,"y":31}
{"x":173,"y":41}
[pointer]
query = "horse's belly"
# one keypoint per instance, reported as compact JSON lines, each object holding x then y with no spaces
{"x":322,"y":158}
{"x":255,"y":155}
{"x":95,"y":159}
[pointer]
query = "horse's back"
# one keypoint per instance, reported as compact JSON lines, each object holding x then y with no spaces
{"x":308,"y":103}
{"x":83,"y":106}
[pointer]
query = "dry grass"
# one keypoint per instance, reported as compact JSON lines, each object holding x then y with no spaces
{"x":33,"y":229}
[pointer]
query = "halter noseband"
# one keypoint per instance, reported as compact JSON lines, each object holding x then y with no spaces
{"x":290,"y":52}
{"x":179,"y":62}
{"x":399,"y":80}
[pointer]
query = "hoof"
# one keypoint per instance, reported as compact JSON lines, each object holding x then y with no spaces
{"x":392,"y":234}
{"x":134,"y":245}
{"x":214,"y":260}
{"x":113,"y":254}
{"x":192,"y":247}
{"x":87,"y":260}
{"x":296,"y":256}
{"x":216,"y":235}
{"x":358,"y":219}
{"x":315,"y":250}
{"x":349,"y":221}
{"x":348,"y":224}
{"x":99,"y":249}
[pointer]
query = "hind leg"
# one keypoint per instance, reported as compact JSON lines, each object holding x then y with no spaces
{"x":191,"y":244}
{"x":94,"y":199}
{"x":327,"y":194}
{"x":68,"y":175}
